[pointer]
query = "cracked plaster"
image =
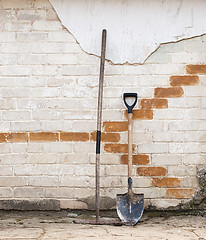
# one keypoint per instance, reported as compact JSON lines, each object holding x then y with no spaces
{"x":136,"y":28}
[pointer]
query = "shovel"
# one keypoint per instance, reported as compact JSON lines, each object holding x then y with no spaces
{"x":130,"y":206}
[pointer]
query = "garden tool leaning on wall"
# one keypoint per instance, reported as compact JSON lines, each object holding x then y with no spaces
{"x":130,"y":206}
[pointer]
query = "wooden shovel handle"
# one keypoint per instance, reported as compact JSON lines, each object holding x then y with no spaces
{"x":129,"y":145}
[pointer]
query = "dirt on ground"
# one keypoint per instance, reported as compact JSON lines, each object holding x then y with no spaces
{"x":42,"y":225}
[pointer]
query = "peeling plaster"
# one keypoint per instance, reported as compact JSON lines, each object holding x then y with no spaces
{"x":136,"y":28}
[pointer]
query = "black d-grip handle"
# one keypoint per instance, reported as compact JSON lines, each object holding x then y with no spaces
{"x":130,"y":107}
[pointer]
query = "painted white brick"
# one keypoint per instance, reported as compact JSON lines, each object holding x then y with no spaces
{"x":62,"y":59}
{"x":165,"y":69}
{"x":60,"y":192}
{"x":45,"y":92}
{"x":15,"y":71}
{"x":182,"y":170}
{"x":114,"y":170}
{"x":83,"y":192}
{"x":77,"y":70}
{"x":32,"y":59}
{"x":185,"y":125}
{"x":168,"y":137}
{"x":6,"y":170}
{"x":189,"y":182}
{"x":42,"y":25}
{"x":13,"y":159}
{"x":6,"y":59}
{"x":13,"y":181}
{"x":32,"y":37}
{"x":59,"y":147}
{"x":42,"y":48}
{"x":153,"y":148}
{"x":166,"y":159}
{"x":28,"y":192}
{"x":183,"y":103}
{"x":16,"y":4}
{"x":6,"y":192}
{"x":60,"y":125}
{"x":84,"y":147}
{"x":75,"y":159}
{"x":29,"y":103}
{"x":77,"y":92}
{"x":61,"y":36}
{"x":196,"y":114}
{"x":7,"y":37}
{"x":26,"y":126}
{"x":37,"y":170}
{"x":8,"y":81}
{"x":30,"y":82}
{"x":27,"y":147}
{"x":71,"y":181}
{"x":168,"y":114}
{"x":186,"y":58}
{"x":4,"y":126}
{"x":74,"y":48}
{"x":18,"y":26}
{"x":84,"y":59}
{"x":16,"y":115}
{"x":153,"y":80}
{"x":138,"y":69}
{"x":119,"y":81}
{"x":184,"y":147}
{"x":7,"y":104}
{"x":78,"y":115}
{"x":195,"y":91}
{"x":203,"y":102}
{"x":31,"y":14}
{"x":82,"y":126}
{"x":45,"y":181}
{"x":42,"y":158}
{"x":16,"y":92}
{"x":7,"y":15}
{"x":46,"y":115}
{"x":193,"y":159}
{"x":18,"y":47}
{"x":44,"y":70}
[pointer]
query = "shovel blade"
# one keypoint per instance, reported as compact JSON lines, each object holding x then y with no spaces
{"x":130,"y":207}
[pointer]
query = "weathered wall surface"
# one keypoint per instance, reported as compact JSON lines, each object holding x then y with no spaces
{"x":48,"y":107}
{"x":135,"y":28}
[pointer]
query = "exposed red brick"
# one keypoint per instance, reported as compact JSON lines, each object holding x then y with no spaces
{"x":141,"y":114}
{"x":196,"y":69}
{"x":116,"y":148}
{"x":168,"y":92}
{"x":151,"y":171}
{"x":165,"y":182}
{"x":140,"y":159}
{"x":13,"y":137}
{"x":74,"y":136}
{"x":106,"y":137}
{"x":179,"y":193}
{"x":184,"y":80}
{"x":115,"y":126}
{"x":154,"y":103}
{"x":44,"y":136}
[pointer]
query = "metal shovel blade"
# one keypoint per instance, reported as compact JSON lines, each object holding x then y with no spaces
{"x":130,"y":207}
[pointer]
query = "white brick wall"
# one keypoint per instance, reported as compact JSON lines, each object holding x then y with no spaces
{"x":49,"y":84}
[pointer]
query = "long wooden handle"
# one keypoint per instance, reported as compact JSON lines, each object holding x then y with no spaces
{"x":129,"y":145}
{"x":99,"y":120}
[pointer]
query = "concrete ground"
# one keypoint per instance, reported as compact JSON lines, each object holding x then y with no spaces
{"x":32,"y":225}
